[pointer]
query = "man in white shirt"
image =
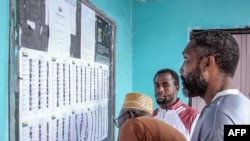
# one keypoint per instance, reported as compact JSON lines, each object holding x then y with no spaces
{"x":171,"y":109}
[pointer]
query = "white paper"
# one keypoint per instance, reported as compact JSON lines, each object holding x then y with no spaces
{"x":73,"y":17}
{"x":87,"y":34}
{"x":59,"y":27}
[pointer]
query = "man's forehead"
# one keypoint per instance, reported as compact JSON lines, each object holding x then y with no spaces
{"x":164,"y":78}
{"x":188,"y":51}
{"x":189,"y":46}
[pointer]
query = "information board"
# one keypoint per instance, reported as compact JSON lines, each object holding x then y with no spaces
{"x":65,"y":72}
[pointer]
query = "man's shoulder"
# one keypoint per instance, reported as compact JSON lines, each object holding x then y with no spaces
{"x":189,"y":109}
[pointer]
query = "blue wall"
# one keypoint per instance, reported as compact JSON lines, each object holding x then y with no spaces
{"x":4,"y":45}
{"x":161,"y":31}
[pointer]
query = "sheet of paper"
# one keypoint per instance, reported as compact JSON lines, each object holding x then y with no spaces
{"x":87,"y":33}
{"x":59,"y":25}
{"x":73,"y":17}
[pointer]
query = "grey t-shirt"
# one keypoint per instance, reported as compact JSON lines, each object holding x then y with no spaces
{"x":226,"y":109}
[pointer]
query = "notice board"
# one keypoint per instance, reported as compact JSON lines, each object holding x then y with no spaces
{"x":64,"y":72}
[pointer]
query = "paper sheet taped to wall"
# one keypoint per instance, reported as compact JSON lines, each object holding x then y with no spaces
{"x":64,"y":90}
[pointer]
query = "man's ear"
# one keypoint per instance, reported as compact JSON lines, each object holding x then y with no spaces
{"x":207,"y":62}
{"x":177,"y":88}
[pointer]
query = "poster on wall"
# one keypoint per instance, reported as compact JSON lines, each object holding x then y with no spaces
{"x":88,"y":33}
{"x":59,"y":25}
{"x":103,"y":40}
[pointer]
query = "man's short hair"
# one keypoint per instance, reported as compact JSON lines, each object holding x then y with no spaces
{"x":220,"y":44}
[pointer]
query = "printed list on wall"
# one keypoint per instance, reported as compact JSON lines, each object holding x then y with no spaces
{"x":63,"y":72}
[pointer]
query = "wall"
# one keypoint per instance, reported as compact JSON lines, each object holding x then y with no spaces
{"x":4,"y":38}
{"x":161,"y":31}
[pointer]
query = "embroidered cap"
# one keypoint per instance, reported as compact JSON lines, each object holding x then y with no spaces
{"x":138,"y":101}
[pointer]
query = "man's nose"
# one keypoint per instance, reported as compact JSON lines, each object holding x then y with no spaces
{"x":160,"y":89}
{"x":181,"y":69}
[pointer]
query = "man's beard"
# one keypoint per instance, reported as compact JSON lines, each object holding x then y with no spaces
{"x":165,"y":100}
{"x":194,"y":84}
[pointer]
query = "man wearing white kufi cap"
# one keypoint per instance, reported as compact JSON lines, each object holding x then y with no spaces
{"x":137,"y":124}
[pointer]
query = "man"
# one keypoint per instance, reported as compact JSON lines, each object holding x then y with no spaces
{"x":137,"y":124}
{"x":171,"y":109}
{"x":210,"y":61}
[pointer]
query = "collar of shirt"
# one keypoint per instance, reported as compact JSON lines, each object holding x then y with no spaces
{"x":226,"y":92}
